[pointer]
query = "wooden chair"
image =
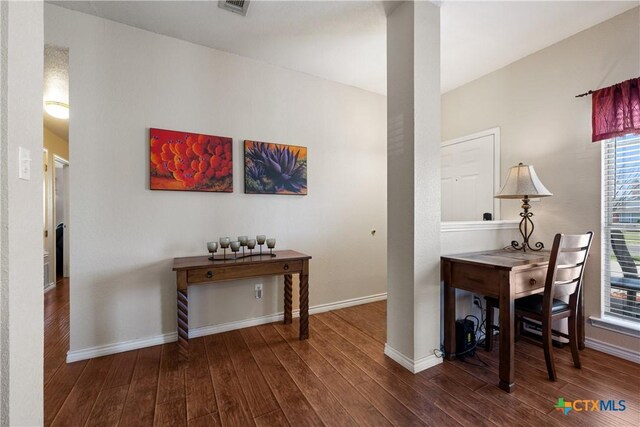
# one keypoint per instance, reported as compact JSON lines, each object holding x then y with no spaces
{"x":564,"y":278}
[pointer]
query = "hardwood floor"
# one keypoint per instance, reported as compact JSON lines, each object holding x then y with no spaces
{"x":264,"y":376}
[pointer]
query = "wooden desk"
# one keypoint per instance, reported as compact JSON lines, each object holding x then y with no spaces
{"x":503,"y":274}
{"x":200,"y":270}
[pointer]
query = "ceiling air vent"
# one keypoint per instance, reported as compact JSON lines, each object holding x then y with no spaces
{"x":236,"y":6}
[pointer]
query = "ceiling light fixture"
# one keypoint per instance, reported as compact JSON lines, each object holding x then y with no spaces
{"x":57,"y":109}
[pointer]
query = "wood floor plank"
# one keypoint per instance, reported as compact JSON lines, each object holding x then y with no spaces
{"x":328,"y":408}
{"x":200,"y":397}
{"x":479,"y":404}
{"x":423,"y":408}
{"x":77,"y":407}
{"x":307,"y":352}
{"x":360,"y":409}
{"x":209,"y":420}
{"x":256,"y":390}
{"x":108,"y":407}
{"x":172,"y":413}
{"x":339,"y":361}
{"x":392,"y":408}
{"x":171,"y":385}
{"x":272,"y":378}
{"x":121,"y":371}
{"x":366,"y":321}
{"x":232,"y":405}
{"x":291,"y":400}
{"x":139,"y":408}
{"x":57,"y":390}
{"x":384,"y":402}
{"x":517,"y":408}
{"x":272,"y":419}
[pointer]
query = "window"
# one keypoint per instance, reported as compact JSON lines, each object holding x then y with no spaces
{"x":621,"y":227}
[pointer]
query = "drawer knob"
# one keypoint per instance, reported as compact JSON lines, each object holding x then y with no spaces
{"x":532,"y":281}
{"x":286,"y":266}
{"x":209,"y":274}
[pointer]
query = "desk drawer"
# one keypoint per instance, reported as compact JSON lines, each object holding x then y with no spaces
{"x":483,"y":280}
{"x":239,"y":271}
{"x":530,"y":281}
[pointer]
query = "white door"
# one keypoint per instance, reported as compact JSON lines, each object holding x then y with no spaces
{"x":468,"y":178}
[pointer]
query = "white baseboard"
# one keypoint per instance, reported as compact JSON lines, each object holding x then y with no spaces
{"x":103,"y":350}
{"x":278,"y":317}
{"x":49,"y":287}
{"x":613,"y":350}
{"x":414,"y":366}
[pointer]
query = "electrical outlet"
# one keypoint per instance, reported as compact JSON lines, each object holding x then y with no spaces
{"x":258,"y":290}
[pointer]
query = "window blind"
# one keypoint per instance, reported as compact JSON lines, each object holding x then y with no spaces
{"x":621,"y":227}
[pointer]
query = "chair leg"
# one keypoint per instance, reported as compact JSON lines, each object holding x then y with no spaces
{"x":488,"y":339}
{"x":547,"y":344}
{"x":518,"y":327}
{"x":573,"y":339}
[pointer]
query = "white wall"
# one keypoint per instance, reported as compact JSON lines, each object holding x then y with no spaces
{"x":542,"y":123}
{"x":124,"y":236}
{"x":21,"y":215}
{"x":413,"y":165}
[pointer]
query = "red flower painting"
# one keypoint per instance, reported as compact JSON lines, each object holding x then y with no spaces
{"x":190,"y":161}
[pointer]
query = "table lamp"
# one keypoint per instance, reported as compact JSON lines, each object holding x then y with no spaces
{"x":523,"y":183}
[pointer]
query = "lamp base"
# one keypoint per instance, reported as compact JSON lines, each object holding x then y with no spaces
{"x":525,"y":232}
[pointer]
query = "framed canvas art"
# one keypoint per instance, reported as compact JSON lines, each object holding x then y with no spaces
{"x":274,"y":168}
{"x":190,"y":161}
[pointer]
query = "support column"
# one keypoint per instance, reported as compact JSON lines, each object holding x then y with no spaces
{"x":413,"y":184}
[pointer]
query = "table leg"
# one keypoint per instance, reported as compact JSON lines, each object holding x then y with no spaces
{"x":183,"y":323}
{"x":507,"y":342}
{"x":288,"y":298}
{"x":304,"y":302}
{"x":449,"y":313}
{"x":580,"y":319}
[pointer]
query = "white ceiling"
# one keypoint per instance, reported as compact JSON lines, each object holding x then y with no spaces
{"x":345,"y":41}
{"x":56,"y":86}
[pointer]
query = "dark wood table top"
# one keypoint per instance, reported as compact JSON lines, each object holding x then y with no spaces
{"x":503,"y":259}
{"x":187,"y":263}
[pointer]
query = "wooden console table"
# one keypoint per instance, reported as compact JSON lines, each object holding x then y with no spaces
{"x":200,"y":270}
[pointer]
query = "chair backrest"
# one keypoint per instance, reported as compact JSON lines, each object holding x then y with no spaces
{"x":621,"y":251}
{"x":566,"y":268}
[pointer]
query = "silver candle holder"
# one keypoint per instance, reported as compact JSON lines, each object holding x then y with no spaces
{"x":242,"y":243}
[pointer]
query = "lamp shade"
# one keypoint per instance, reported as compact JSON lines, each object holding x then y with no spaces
{"x":522,"y":181}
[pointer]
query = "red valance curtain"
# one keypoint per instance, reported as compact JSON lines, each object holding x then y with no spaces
{"x":616,"y":110}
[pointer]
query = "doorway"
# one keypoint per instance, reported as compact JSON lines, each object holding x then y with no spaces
{"x":61,"y":216}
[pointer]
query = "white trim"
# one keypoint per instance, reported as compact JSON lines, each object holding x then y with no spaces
{"x":496,"y":160}
{"x":622,"y":326}
{"x":231,"y":326}
{"x":103,"y":350}
{"x":413,"y":366}
{"x":614,"y":350}
{"x":344,"y":303}
{"x":453,"y":226}
{"x":49,"y":287}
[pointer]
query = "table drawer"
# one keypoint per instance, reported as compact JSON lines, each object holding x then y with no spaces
{"x":238,"y":271}
{"x":485,"y":281}
{"x":530,"y":281}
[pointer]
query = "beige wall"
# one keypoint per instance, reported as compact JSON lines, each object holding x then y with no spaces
{"x":542,"y":123}
{"x":21,"y":313}
{"x":124,"y":80}
{"x":55,"y":146}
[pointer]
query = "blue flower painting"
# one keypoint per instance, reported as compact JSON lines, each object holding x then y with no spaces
{"x":274,"y":168}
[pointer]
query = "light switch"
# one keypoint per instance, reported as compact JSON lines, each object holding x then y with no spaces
{"x":24,"y":164}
